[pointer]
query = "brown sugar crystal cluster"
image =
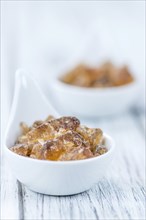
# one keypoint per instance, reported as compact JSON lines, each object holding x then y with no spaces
{"x":61,"y":139}
{"x":106,"y":75}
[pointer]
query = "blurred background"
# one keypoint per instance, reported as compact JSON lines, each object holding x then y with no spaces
{"x":44,"y":37}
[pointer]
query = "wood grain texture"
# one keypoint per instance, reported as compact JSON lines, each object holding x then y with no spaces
{"x":119,"y":195}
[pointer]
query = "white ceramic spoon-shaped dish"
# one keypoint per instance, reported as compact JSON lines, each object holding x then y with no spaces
{"x":48,"y":177}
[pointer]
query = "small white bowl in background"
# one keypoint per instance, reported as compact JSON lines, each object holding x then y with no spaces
{"x":93,"y":102}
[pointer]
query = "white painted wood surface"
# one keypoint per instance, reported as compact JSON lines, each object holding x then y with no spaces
{"x":120,"y":195}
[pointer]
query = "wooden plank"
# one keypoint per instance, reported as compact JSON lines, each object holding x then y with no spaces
{"x":32,"y":204}
{"x":69,"y":207}
{"x":11,"y":200}
{"x":127,"y":177}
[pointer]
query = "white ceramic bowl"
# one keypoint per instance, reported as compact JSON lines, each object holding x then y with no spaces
{"x":93,"y":102}
{"x":48,"y":177}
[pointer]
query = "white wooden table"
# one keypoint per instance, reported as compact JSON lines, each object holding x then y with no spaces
{"x":120,"y":195}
